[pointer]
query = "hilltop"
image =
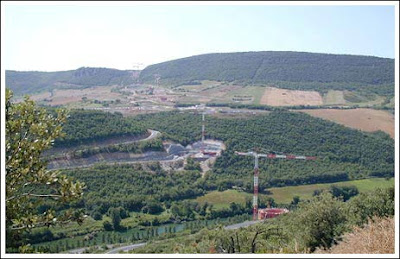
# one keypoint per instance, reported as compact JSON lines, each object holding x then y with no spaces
{"x":285,"y":69}
{"x":27,"y":82}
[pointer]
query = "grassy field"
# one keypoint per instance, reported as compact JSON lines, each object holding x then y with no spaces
{"x":364,"y":119}
{"x":334,"y":98}
{"x":205,"y":84}
{"x":255,"y":91}
{"x":223,"y":199}
{"x":286,"y":194}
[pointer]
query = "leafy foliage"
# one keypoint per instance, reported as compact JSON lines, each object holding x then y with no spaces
{"x":343,"y":192}
{"x":29,"y":131}
{"x":134,"y":189}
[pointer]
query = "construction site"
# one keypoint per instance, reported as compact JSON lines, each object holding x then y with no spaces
{"x":174,"y":157}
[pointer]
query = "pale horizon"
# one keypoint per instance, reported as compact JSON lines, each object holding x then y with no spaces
{"x":66,"y":37}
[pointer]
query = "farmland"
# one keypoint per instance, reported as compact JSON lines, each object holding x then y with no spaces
{"x":284,"y":195}
{"x":224,"y":198}
{"x":363,"y":119}
{"x":283,"y":97}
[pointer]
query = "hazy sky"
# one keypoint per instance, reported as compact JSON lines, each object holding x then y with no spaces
{"x":61,"y":37}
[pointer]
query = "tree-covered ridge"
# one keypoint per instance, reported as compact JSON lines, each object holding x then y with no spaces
{"x":293,"y":70}
{"x":84,"y":126}
{"x":27,"y":82}
{"x":343,"y":153}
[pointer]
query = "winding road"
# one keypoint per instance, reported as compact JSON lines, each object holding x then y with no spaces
{"x":125,"y":248}
{"x":57,"y":164}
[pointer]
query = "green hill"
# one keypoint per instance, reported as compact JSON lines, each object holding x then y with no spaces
{"x":293,"y":70}
{"x":27,"y":82}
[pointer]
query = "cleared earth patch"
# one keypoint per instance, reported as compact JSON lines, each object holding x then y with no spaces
{"x":283,"y":97}
{"x":369,"y":120}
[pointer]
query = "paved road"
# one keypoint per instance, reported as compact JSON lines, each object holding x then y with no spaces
{"x":153,"y":134}
{"x":77,"y":251}
{"x":134,"y":246}
{"x":243,"y":224}
{"x":125,"y":248}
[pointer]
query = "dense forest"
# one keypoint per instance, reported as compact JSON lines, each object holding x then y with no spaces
{"x":85,"y":126}
{"x":342,"y":153}
{"x":28,"y":82}
{"x":135,"y":189}
{"x":292,"y":70}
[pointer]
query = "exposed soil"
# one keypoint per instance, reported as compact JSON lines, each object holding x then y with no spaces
{"x":364,"y":119}
{"x":283,"y":97}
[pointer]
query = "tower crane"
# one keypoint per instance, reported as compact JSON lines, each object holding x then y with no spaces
{"x":203,"y":132}
{"x":256,"y":155}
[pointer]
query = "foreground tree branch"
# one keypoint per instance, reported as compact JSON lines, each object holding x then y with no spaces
{"x":29,"y":131}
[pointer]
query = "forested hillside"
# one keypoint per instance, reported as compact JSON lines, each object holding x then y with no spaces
{"x":133,"y":188}
{"x":342,"y":153}
{"x":33,"y":81}
{"x":293,"y":70}
{"x":84,"y":126}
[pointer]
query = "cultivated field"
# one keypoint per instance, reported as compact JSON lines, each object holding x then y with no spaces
{"x":223,"y":199}
{"x":333,"y":97}
{"x":70,"y":96}
{"x":62,"y":97}
{"x":286,"y":194}
{"x":283,"y":97}
{"x":364,"y":119}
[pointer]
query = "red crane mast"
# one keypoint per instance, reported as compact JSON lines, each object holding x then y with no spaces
{"x":256,"y":171}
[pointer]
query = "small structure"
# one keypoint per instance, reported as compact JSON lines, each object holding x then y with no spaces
{"x":270,"y":213}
